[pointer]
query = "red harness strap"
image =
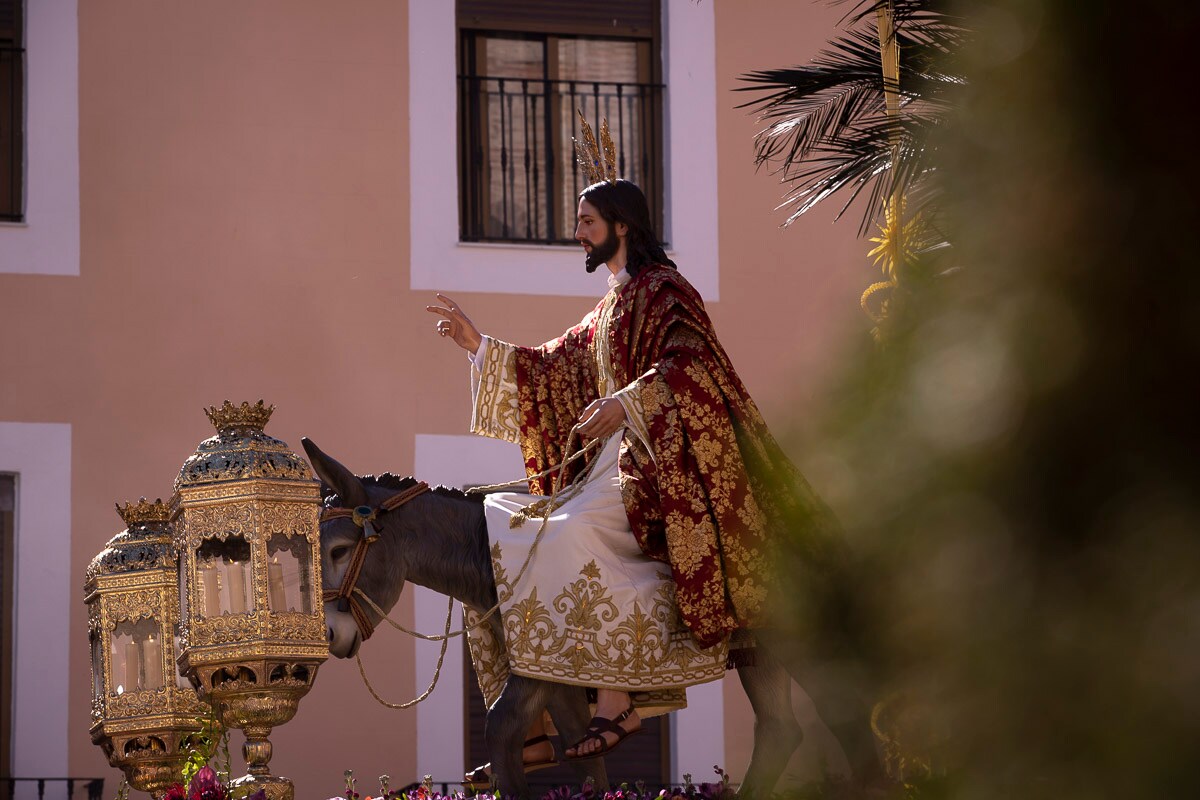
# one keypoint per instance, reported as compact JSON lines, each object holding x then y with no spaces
{"x":364,"y":517}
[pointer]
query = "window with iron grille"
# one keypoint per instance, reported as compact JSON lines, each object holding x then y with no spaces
{"x":12,"y":110}
{"x":524,"y":69}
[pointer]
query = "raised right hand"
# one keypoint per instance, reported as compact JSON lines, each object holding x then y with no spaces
{"x":456,"y":325}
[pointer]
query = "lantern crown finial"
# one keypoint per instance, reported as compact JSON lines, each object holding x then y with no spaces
{"x":144,"y":511}
{"x":229,"y":416}
{"x":240,"y":451}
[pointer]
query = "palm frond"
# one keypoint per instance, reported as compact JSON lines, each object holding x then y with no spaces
{"x":809,"y":104}
{"x":881,"y":156}
{"x":906,"y":13}
{"x":827,"y":128}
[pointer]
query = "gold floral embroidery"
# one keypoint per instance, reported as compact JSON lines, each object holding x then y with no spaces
{"x":529,"y":628}
{"x":586,"y":603}
{"x":487,"y":655}
{"x":654,"y":396}
{"x":583,"y":638}
{"x":708,"y":452}
{"x":637,"y":641}
{"x":503,"y":587}
{"x":557,"y":380}
{"x":689,"y":543}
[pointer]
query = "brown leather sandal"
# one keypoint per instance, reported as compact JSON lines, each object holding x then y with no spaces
{"x":481,"y":777}
{"x":596,"y":730}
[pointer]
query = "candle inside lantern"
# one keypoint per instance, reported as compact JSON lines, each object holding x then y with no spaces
{"x":275,"y":583}
{"x":133,"y":676}
{"x":152,"y":664}
{"x":302,"y":588}
{"x":117,"y":679}
{"x":210,"y":590}
{"x":237,"y":587}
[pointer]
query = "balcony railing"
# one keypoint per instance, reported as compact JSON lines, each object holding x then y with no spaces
{"x":518,"y":181}
{"x":50,"y":788}
{"x":12,"y":133}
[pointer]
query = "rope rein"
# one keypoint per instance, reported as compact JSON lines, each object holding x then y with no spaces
{"x":544,"y":508}
{"x":437,"y":670}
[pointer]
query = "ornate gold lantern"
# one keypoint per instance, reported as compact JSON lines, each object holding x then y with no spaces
{"x":143,"y":712}
{"x":246,"y":513}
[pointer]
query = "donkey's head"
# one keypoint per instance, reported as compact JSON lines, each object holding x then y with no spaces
{"x":381,"y":577}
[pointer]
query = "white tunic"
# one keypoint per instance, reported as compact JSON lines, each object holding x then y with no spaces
{"x":591,"y":609}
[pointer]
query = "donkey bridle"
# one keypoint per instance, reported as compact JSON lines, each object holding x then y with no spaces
{"x":364,"y":517}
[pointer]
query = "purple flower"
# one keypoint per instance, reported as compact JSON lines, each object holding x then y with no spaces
{"x":176,"y":792}
{"x":206,"y":786}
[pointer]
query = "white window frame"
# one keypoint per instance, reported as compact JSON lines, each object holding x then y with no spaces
{"x":40,"y":456}
{"x":47,"y":241}
{"x":439,"y":261}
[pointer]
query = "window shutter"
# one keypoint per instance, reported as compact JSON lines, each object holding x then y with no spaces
{"x":611,"y":18}
{"x":11,"y":29}
{"x":12,"y":109}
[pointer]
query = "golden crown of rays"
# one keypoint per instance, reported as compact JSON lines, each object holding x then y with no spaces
{"x":598,"y":162}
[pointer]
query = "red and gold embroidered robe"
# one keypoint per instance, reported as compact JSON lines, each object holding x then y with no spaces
{"x":706,"y":493}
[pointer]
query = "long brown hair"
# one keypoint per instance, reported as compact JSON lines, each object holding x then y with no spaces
{"x":622,"y":201}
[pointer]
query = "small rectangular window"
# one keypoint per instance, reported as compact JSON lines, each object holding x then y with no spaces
{"x":12,"y":111}
{"x":523,"y":71}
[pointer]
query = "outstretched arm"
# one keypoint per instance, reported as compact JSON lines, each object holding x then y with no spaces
{"x":456,"y":324}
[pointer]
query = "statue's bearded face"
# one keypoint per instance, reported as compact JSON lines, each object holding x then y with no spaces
{"x":598,"y":238}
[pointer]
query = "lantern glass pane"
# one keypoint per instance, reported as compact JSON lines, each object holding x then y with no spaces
{"x":289,"y":573}
{"x":137,"y":657}
{"x":224,"y":580}
{"x":97,"y":666}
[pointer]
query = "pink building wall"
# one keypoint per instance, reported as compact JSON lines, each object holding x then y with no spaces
{"x":244,"y":208}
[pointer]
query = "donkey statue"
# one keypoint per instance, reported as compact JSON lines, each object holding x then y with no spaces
{"x":437,"y":538}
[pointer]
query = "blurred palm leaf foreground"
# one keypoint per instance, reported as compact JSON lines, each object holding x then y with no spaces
{"x":1016,"y":468}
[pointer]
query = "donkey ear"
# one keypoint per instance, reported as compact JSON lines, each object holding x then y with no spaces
{"x":340,"y":479}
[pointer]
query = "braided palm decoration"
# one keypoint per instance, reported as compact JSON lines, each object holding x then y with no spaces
{"x":598,"y":162}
